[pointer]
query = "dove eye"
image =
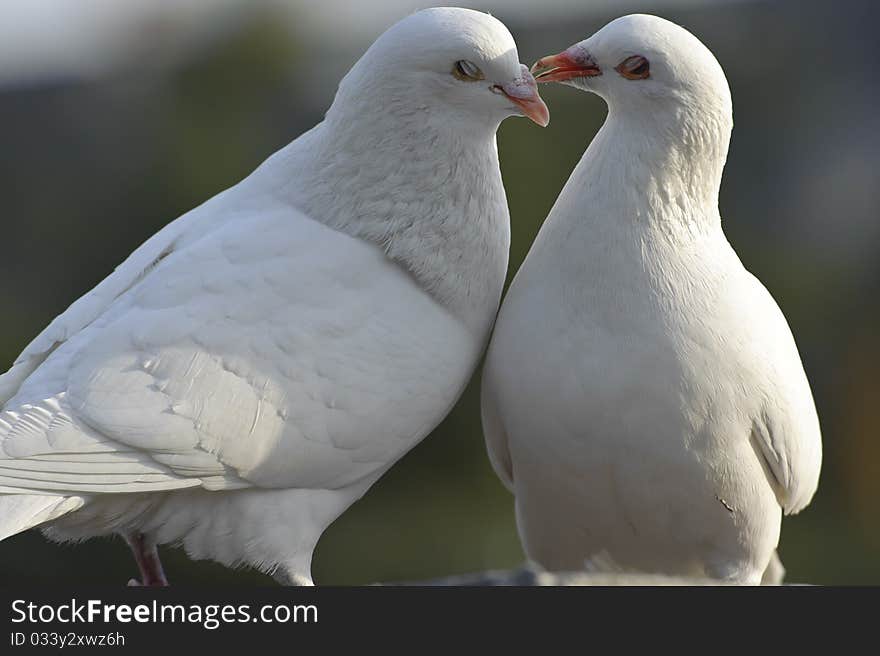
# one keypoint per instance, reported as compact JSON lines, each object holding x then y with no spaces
{"x":634,"y":68}
{"x":467,"y":71}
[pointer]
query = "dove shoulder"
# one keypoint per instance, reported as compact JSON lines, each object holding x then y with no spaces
{"x":94,"y":303}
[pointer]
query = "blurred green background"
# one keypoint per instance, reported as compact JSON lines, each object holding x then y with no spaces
{"x":113,"y":125}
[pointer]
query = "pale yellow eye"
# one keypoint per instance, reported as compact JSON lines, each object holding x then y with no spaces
{"x":467,"y":71}
{"x":634,"y":68}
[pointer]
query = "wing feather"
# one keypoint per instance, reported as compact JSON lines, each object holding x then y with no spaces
{"x":244,"y":358}
{"x":786,"y":433}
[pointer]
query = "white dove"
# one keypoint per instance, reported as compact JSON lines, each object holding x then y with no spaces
{"x":250,"y":371}
{"x":643,"y":397}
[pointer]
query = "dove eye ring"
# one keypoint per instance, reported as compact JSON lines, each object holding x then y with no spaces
{"x":634,"y":68}
{"x":467,"y":71}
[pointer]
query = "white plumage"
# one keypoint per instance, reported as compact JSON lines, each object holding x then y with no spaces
{"x":253,"y":368}
{"x":643,"y":396}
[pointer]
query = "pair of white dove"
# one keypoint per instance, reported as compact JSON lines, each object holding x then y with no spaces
{"x":251,"y":370}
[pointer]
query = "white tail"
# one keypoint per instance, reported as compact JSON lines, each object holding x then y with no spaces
{"x":19,"y":512}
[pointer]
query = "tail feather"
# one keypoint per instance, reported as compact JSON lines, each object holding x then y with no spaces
{"x":19,"y":512}
{"x":775,"y":572}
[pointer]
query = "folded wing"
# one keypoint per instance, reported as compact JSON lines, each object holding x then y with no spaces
{"x":786,"y":433}
{"x":252,"y":356}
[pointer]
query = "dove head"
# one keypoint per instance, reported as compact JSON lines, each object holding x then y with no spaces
{"x":458,"y":64}
{"x":644,"y":65}
{"x":669,"y":107}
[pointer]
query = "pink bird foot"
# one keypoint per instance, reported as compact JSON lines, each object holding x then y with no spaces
{"x":147,"y":557}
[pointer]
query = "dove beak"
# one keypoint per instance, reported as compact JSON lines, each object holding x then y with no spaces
{"x":523,"y":92}
{"x":534,"y":107}
{"x":567,"y":65}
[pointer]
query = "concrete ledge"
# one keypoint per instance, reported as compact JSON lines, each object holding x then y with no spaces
{"x":533,"y":576}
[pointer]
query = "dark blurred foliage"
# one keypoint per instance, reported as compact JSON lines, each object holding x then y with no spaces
{"x":90,"y":170}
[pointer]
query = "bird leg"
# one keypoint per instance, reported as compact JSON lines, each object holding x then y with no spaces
{"x":147,"y":557}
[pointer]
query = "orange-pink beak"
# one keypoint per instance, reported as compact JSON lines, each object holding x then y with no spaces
{"x":523,"y":92}
{"x":567,"y":65}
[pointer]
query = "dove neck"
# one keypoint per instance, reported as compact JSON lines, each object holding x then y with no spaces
{"x":427,"y":193}
{"x":660,"y":170}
